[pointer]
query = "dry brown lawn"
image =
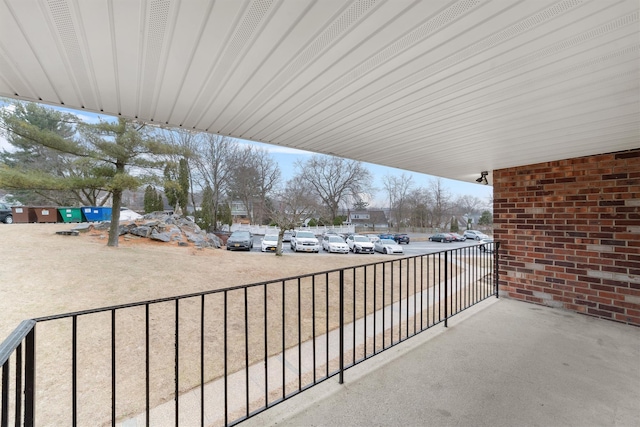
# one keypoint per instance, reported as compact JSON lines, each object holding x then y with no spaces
{"x":44,"y":274}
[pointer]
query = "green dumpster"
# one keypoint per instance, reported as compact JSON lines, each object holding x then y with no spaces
{"x":71,"y":214}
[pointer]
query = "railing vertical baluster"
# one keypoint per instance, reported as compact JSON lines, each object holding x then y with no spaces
{"x":313,"y":323}
{"x":284,"y":335}
{"x":74,"y":371}
{"x":266,"y":349}
{"x":439,"y":287}
{"x":341,"y":302}
{"x":18,"y":414}
{"x":408,"y":289}
{"x":496,"y":267}
{"x":30,"y":379}
{"x":177,"y":364}
{"x":384,"y":307}
{"x":226,"y":367}
{"x":429,"y":290}
{"x":422,"y":293}
{"x":113,"y":367}
{"x":364,"y":316}
{"x":375,"y":306}
{"x":147,"y":370}
{"x":400,"y":301}
{"x":4,"y":419}
{"x":354,"y":315}
{"x":326,"y":319}
{"x":415,"y":295}
{"x":246,"y":350}
{"x":299,"y":339}
{"x":392,"y":303}
{"x":201,"y":360}
{"x":446,"y":287}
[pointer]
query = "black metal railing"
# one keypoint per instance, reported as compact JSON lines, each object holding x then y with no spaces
{"x":233,"y":352}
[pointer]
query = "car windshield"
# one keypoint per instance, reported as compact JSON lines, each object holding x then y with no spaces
{"x":305,"y":234}
{"x":271,"y":238}
{"x":240,"y":235}
{"x":360,"y":239}
{"x":387,"y":242}
{"x":335,"y":239}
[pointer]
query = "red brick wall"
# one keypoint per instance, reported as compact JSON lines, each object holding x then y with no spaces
{"x":570,"y":234}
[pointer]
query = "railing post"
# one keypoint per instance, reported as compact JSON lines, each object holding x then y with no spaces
{"x":497,"y":274}
{"x":446,"y":288}
{"x":30,"y":379}
{"x":341,"y":381}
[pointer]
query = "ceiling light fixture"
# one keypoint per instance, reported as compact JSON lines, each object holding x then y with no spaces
{"x":483,"y":178}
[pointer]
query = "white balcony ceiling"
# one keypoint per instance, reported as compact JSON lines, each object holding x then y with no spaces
{"x":443,"y":87}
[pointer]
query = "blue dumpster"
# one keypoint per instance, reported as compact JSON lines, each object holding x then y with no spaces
{"x":96,"y":213}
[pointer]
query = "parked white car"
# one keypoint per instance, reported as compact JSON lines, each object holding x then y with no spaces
{"x":269,"y":243}
{"x":334,"y":244}
{"x":304,"y":241}
{"x":360,"y":244}
{"x":475,"y":235}
{"x":387,"y":246}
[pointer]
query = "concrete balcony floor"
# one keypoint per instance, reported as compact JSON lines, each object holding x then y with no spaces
{"x":500,"y":363}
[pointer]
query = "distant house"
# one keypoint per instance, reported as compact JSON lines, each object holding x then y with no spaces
{"x":368,"y":218}
{"x":240,"y":213}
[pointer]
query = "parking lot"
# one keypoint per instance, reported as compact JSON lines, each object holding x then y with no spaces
{"x":415,"y":247}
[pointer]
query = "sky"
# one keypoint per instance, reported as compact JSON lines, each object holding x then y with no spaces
{"x":286,"y":158}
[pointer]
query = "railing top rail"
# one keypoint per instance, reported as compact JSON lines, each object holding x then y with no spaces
{"x":14,"y":339}
{"x":234,"y":288}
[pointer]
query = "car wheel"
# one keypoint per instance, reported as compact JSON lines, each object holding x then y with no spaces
{"x":384,"y":251}
{"x":8,"y":219}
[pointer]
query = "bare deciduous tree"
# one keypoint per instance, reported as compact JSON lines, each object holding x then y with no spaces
{"x":215,"y":161}
{"x":292,"y":205}
{"x":335,"y":180}
{"x":398,"y":188}
{"x":254,"y":176}
{"x":441,"y":202}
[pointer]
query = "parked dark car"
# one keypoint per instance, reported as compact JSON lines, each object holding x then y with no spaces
{"x":441,"y":237}
{"x":401,"y":238}
{"x":240,"y":241}
{"x":6,"y":215}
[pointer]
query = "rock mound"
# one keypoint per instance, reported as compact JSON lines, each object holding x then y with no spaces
{"x":163,"y":227}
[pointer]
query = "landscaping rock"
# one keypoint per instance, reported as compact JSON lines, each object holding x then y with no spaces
{"x":162,"y":227}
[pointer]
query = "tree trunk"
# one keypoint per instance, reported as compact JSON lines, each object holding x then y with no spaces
{"x":114,"y":229}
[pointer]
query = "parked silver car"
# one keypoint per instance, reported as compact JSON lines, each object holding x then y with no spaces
{"x":240,"y":241}
{"x":475,"y":235}
{"x":388,"y":246}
